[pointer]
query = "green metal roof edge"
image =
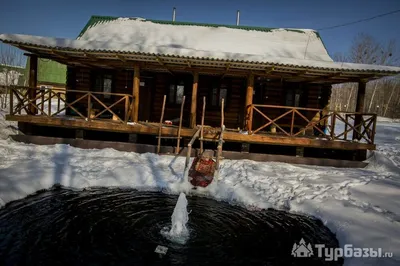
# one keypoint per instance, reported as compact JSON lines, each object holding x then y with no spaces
{"x":100,"y":19}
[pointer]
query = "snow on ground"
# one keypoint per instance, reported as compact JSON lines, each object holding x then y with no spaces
{"x":362,"y":206}
{"x":6,"y":127}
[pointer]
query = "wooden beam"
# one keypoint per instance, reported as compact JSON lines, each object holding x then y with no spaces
{"x":135,"y":93}
{"x":120,"y":57}
{"x":33,"y":68}
{"x":145,"y":148}
{"x":323,"y":78}
{"x":132,"y":57}
{"x":249,"y":101}
{"x":229,"y":136}
{"x":160,"y":61}
{"x":164,"y":65}
{"x":193,"y":106}
{"x":269,"y":70}
{"x":359,"y":107}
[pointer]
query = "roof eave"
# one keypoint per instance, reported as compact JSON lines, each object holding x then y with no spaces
{"x":67,"y":55}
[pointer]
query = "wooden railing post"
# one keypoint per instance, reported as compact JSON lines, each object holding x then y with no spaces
{"x":132,"y":108}
{"x":202,"y":125}
{"x":89,"y":109}
{"x":292,"y":123}
{"x":42,"y":100}
{"x":58,"y":101}
{"x":333,"y":122}
{"x":126,"y":108}
{"x":373,"y":128}
{"x":33,"y":66}
{"x":11,"y":101}
{"x":250,"y":124}
{"x":160,"y":125}
{"x":50,"y":92}
{"x":178,"y":142}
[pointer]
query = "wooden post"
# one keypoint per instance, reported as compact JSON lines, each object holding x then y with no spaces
{"x":292,"y":123}
{"x":180,"y":126}
{"x":160,"y":126}
{"x":359,"y":107}
{"x":126,"y":109}
{"x":249,"y":101}
{"x":193,"y":107}
{"x":202,"y":125}
{"x":136,"y":87}
{"x":333,"y":124}
{"x":49,"y":102}
{"x":89,"y":108}
{"x":58,"y":101}
{"x":220,"y":141}
{"x":189,"y":152}
{"x":42,"y":101}
{"x":33,"y":66}
{"x":11,"y":101}
{"x":374,"y":116}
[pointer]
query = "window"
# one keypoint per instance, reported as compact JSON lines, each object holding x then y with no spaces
{"x":176,"y":93}
{"x":289,"y":98}
{"x":103,"y":83}
{"x":293,"y":98}
{"x":219,"y":93}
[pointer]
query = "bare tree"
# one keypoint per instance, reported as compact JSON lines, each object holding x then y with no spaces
{"x":365,"y":49}
{"x":382,"y":96}
{"x":10,"y":60}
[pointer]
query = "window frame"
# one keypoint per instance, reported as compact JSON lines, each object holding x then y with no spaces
{"x":175,"y":84}
{"x":295,"y":91}
{"x":219,"y":85}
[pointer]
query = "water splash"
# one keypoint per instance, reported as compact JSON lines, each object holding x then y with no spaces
{"x":178,"y":232}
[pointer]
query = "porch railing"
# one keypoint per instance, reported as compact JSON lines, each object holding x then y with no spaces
{"x":297,"y":121}
{"x":50,"y":102}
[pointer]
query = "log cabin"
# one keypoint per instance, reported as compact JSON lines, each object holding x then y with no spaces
{"x":133,"y":83}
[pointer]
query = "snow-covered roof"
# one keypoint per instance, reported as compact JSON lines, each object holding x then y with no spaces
{"x":195,"y":39}
{"x":273,"y":47}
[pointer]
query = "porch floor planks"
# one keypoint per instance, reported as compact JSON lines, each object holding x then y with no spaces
{"x":209,"y":133}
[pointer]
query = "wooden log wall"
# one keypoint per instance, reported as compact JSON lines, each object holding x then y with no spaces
{"x":266,"y":92}
{"x":79,"y":78}
{"x":274,"y":92}
{"x":234,"y":104}
{"x":162,"y":82}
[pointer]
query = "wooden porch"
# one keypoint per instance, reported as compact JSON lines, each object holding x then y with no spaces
{"x":277,"y":125}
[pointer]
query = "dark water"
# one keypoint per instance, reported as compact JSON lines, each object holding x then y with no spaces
{"x":103,"y":226}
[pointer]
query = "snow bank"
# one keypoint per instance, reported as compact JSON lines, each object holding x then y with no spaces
{"x":6,"y":127}
{"x":387,"y":119}
{"x":362,"y":206}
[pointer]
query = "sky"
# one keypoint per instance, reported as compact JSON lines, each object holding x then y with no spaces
{"x":65,"y":19}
